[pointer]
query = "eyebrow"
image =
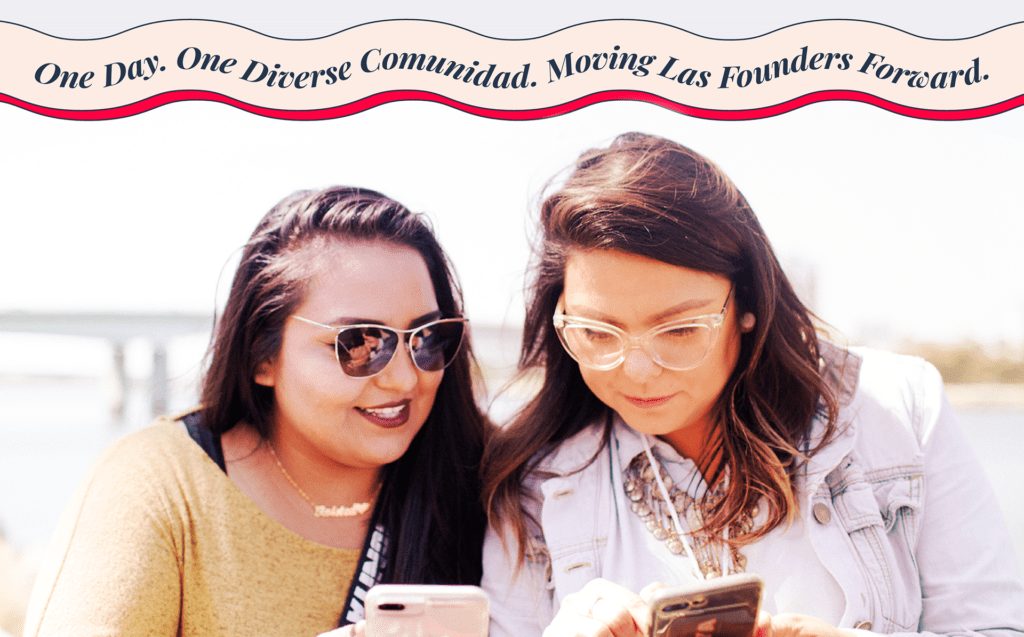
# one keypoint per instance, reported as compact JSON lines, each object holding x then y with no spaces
{"x":343,"y":321}
{"x":679,"y":308}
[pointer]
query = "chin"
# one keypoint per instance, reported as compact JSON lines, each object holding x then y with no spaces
{"x":385,"y":454}
{"x":654,"y":424}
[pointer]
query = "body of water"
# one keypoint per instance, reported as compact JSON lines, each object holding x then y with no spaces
{"x":53,"y":430}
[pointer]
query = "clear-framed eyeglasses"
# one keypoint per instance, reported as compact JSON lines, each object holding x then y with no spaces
{"x":676,"y":345}
{"x":364,"y":350}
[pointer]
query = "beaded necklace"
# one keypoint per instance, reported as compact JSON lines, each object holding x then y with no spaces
{"x":657,"y":501}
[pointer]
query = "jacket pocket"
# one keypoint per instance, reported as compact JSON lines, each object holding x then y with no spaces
{"x":880,"y":515}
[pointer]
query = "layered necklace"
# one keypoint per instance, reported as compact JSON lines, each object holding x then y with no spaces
{"x":320,"y":510}
{"x":658,"y":502}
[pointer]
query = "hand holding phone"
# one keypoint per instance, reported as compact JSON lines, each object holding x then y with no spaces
{"x":720,"y":607}
{"x":408,"y":610}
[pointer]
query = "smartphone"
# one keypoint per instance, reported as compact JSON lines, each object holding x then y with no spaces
{"x":720,"y":607}
{"x":413,"y":610}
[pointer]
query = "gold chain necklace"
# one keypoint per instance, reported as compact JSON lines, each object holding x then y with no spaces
{"x":320,"y":510}
{"x":651,"y":508}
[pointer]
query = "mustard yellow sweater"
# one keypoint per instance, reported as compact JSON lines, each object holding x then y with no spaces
{"x":158,"y":541}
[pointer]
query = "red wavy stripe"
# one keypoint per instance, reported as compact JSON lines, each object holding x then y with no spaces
{"x":539,"y":113}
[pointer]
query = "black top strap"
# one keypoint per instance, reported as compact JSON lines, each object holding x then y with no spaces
{"x":373,"y":562}
{"x":209,"y":441}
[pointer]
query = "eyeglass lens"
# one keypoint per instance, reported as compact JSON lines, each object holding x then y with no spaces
{"x":682,"y":346}
{"x":365,"y":351}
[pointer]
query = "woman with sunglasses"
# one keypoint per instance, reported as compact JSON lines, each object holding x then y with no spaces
{"x":337,"y":446}
{"x":692,"y":424}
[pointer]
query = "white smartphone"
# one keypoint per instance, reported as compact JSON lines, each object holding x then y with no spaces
{"x":719,"y":607}
{"x":412,"y":610}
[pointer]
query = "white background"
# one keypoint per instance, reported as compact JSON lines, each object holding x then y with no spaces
{"x":911,"y":228}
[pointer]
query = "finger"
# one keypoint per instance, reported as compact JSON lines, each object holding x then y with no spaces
{"x":636,"y":606}
{"x":764,"y":625}
{"x":568,"y":623}
{"x":579,"y":604}
{"x":357,"y":629}
{"x":609,"y":617}
{"x":647,"y":592}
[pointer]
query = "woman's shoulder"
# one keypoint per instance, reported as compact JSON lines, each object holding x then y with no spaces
{"x":882,"y":393}
{"x":887,"y":405}
{"x":161,"y":452}
{"x":164,"y":437}
{"x":856,"y":369}
{"x":883,"y":376}
{"x":574,"y":453}
{"x":882,"y":371}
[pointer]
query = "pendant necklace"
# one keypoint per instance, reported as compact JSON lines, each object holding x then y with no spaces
{"x":320,"y":510}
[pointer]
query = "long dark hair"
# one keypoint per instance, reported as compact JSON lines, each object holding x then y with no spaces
{"x":430,"y":497}
{"x":655,"y":198}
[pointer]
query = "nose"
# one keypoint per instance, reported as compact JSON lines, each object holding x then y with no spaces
{"x":639,"y":367}
{"x":401,"y":374}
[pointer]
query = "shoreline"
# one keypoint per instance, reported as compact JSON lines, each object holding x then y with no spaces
{"x":979,"y":395}
{"x":961,"y":395}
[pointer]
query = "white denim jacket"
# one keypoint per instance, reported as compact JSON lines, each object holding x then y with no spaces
{"x":913,"y":533}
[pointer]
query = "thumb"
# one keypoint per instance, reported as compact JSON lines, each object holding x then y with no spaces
{"x":764,"y":625}
{"x":648,"y":591}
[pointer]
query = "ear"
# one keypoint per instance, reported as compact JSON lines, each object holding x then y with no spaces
{"x":266,"y":373}
{"x":747,"y":322}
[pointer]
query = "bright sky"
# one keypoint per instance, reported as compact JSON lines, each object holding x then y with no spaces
{"x":911,"y":228}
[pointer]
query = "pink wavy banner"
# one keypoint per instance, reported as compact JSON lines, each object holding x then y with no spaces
{"x":380,"y":63}
{"x":561,"y":109}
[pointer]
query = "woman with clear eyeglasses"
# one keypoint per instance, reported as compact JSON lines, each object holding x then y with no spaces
{"x":337,"y":446}
{"x":691,"y":424}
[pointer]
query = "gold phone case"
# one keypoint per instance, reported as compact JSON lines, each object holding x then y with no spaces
{"x":721,"y":607}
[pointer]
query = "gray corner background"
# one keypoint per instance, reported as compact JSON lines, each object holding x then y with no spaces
{"x":300,"y":19}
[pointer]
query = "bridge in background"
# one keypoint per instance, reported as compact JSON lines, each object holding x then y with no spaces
{"x":117,"y":329}
{"x":495,"y":347}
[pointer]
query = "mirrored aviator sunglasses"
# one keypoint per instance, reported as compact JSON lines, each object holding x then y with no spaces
{"x":365,"y":350}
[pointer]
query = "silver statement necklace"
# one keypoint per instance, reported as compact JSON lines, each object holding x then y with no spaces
{"x":658,"y":502}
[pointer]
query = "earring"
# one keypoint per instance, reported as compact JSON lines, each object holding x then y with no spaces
{"x":747,"y":321}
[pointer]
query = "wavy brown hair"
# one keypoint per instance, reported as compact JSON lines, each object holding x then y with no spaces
{"x":430,"y":497}
{"x":652,"y":197}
